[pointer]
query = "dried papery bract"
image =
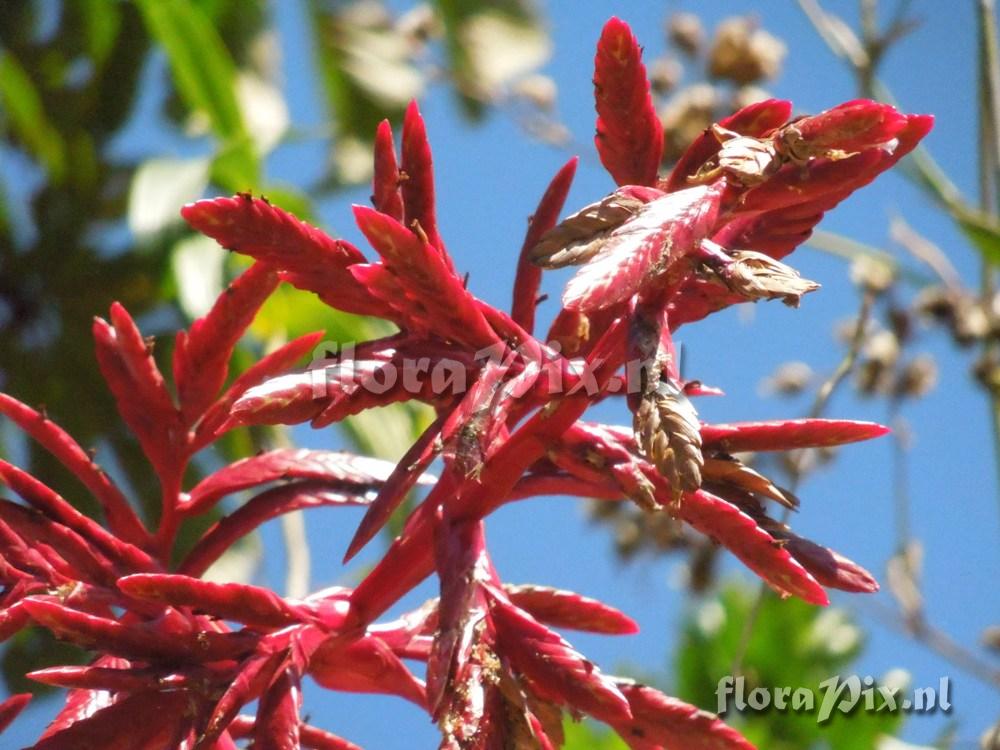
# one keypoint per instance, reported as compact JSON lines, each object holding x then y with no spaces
{"x":174,"y":659}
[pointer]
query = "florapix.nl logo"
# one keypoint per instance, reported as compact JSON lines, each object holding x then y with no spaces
{"x":836,"y":694}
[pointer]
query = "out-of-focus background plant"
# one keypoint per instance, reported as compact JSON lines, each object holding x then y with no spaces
{"x":115,"y":113}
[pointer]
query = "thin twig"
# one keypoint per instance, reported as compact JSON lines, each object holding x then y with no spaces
{"x":939,"y":642}
{"x":989,"y":177}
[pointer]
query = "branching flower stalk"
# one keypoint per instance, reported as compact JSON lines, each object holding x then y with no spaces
{"x":181,"y":657}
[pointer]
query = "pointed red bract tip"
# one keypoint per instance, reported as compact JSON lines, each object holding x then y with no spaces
{"x":386,"y":196}
{"x":11,"y":707}
{"x":629,"y":134}
{"x":417,"y":185}
{"x":781,"y":435}
{"x":851,"y":126}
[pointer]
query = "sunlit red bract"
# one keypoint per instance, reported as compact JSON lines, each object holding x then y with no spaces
{"x":175,"y":659}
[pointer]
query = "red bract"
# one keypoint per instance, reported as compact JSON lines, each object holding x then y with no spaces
{"x":176,"y":658}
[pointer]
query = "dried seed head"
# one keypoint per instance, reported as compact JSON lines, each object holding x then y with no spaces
{"x":664,"y":75}
{"x":971,"y":323}
{"x":790,"y":379}
{"x":686,"y":116}
{"x":684,"y":31}
{"x":872,"y":275}
{"x":755,"y":276}
{"x":918,"y":378}
{"x":987,"y":371}
{"x":628,"y":537}
{"x":580,"y":236}
{"x":669,"y":435}
{"x":991,"y":637}
{"x":743,"y":53}
{"x":882,"y":347}
{"x":937,"y":303}
{"x":991,"y":738}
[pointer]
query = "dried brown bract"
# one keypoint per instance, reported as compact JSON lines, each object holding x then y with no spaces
{"x":669,"y":434}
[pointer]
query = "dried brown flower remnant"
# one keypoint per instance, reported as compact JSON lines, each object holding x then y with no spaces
{"x":743,"y":53}
{"x":686,"y":33}
{"x":749,"y":160}
{"x":756,"y":276}
{"x":579,"y":237}
{"x":668,"y":433}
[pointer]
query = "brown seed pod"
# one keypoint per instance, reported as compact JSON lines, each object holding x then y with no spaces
{"x":756,"y":276}
{"x":669,"y":435}
{"x":580,"y":236}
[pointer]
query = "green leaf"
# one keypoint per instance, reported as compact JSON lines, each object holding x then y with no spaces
{"x":585,"y":736}
{"x":23,"y":113}
{"x":203,"y":70}
{"x":793,"y":645}
{"x":101,"y":21}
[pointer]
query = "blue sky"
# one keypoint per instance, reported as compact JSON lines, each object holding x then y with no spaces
{"x":489,"y":179}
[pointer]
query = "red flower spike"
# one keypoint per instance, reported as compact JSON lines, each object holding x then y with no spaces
{"x":11,"y":707}
{"x":310,"y":737}
{"x":155,"y":720}
{"x":427,"y":277}
{"x":757,"y":120}
{"x":826,"y":566}
{"x":557,"y":672}
{"x":337,"y":469}
{"x":80,"y":704}
{"x":258,"y":510}
{"x":32,"y":560}
{"x":98,"y":678}
{"x":309,"y":259}
{"x":386,"y":195}
{"x":130,"y":641}
{"x":566,"y":609}
{"x":758,"y":550}
{"x":286,"y":399}
{"x":639,"y":254}
{"x":785,"y":435}
{"x":143,"y":401}
{"x":463,"y":567}
{"x":56,"y":508}
{"x":201,"y":359}
{"x":663,"y":722}
{"x":253,"y":679}
{"x":277,"y":725}
{"x":417,"y":185}
{"x":851,"y":126}
{"x":87,"y":563}
{"x":272,"y":364}
{"x":629,"y":136}
{"x":250,"y":605}
{"x":404,"y":477}
{"x":529,"y":275}
{"x":364,"y":665}
{"x":13,"y":619}
{"x":120,"y":516}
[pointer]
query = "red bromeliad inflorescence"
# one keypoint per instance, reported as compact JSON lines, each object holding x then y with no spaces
{"x":176,"y":658}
